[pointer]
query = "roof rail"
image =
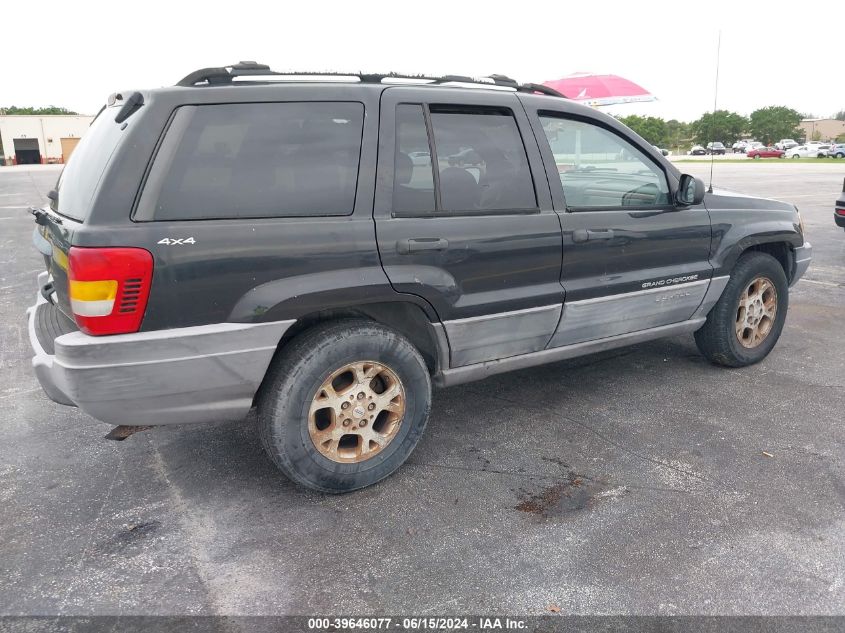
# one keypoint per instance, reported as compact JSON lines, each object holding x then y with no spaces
{"x":225,"y":75}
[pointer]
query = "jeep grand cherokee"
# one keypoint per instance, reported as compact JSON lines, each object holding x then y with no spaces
{"x":312,"y":247}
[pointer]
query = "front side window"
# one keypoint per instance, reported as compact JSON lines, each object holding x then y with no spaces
{"x":599,"y":169}
{"x":481,"y":160}
{"x":256,"y":160}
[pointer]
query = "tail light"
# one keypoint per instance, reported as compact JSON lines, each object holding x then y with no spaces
{"x":108,"y":288}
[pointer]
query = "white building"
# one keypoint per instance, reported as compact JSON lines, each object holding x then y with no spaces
{"x":28,"y":139}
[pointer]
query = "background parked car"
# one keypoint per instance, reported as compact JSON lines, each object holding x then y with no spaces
{"x":754,"y":145}
{"x":716,"y":148}
{"x":420,"y":158}
{"x":785,"y":144}
{"x":465,"y":157}
{"x":766,"y":152}
{"x":739,"y":147}
{"x":837,"y":150}
{"x":802,"y":151}
{"x":697,"y":150}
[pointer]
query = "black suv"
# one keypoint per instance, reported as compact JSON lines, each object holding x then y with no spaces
{"x":326,"y":249}
{"x":716,"y":148}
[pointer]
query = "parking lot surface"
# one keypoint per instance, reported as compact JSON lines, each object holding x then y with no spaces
{"x":641,"y":481}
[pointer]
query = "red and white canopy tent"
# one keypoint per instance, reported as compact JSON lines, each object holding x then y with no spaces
{"x":600,"y":90}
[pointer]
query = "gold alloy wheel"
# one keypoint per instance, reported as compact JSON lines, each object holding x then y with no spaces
{"x":755,"y":315}
{"x":356,"y":412}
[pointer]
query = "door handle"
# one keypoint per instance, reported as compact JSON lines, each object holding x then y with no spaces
{"x":405,"y":247}
{"x":584,"y":235}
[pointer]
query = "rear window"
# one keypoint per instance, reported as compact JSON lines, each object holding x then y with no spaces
{"x":80,"y":177}
{"x":256,"y":160}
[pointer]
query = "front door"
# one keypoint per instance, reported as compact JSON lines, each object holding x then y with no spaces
{"x":632,"y":260}
{"x":464,"y":218}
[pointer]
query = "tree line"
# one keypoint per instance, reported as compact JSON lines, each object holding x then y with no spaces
{"x":35,"y":111}
{"x":767,"y":125}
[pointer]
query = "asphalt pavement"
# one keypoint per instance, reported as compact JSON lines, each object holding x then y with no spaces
{"x":640,"y":481}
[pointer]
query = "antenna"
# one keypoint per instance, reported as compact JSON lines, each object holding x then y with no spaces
{"x":715,"y":101}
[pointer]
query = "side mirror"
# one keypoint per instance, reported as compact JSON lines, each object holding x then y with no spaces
{"x":690,"y":191}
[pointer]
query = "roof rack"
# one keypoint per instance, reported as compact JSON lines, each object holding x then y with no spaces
{"x":225,"y":75}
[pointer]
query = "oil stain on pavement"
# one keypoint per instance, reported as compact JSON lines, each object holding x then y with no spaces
{"x":573,"y":494}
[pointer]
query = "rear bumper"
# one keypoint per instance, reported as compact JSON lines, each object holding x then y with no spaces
{"x":803,"y":257}
{"x":195,"y":374}
{"x":839,"y":219}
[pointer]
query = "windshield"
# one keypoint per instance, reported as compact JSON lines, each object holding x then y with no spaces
{"x":79,"y":179}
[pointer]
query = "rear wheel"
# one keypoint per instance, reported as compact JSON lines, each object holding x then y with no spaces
{"x":746,"y":322}
{"x":344,"y":405}
{"x":839,"y":155}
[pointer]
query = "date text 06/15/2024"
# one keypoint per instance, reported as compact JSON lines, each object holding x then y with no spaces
{"x":416,"y":624}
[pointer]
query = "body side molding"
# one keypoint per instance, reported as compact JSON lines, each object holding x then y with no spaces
{"x":479,"y":371}
{"x":601,"y":317}
{"x":482,"y":338}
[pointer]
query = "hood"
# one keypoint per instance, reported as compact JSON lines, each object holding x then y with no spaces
{"x":726,"y":199}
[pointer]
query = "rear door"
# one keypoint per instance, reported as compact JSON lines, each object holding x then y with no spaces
{"x":464,"y":218}
{"x":632,"y":260}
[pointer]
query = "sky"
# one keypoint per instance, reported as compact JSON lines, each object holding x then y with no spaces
{"x":772,"y":53}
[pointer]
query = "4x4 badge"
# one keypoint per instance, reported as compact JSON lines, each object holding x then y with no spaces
{"x":177,"y":241}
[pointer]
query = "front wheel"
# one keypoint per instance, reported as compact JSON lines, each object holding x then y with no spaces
{"x":344,"y":405}
{"x":756,"y":156}
{"x":746,"y":322}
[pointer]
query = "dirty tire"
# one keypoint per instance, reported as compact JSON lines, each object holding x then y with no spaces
{"x":299,"y":371}
{"x":717,"y":339}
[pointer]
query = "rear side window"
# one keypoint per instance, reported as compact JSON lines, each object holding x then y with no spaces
{"x":80,"y":177}
{"x":256,"y":160}
{"x":481,"y":160}
{"x":413,"y":179}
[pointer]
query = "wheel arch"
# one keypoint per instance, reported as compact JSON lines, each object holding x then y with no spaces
{"x":777,"y":237}
{"x":405,"y":317}
{"x":781,"y":251}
